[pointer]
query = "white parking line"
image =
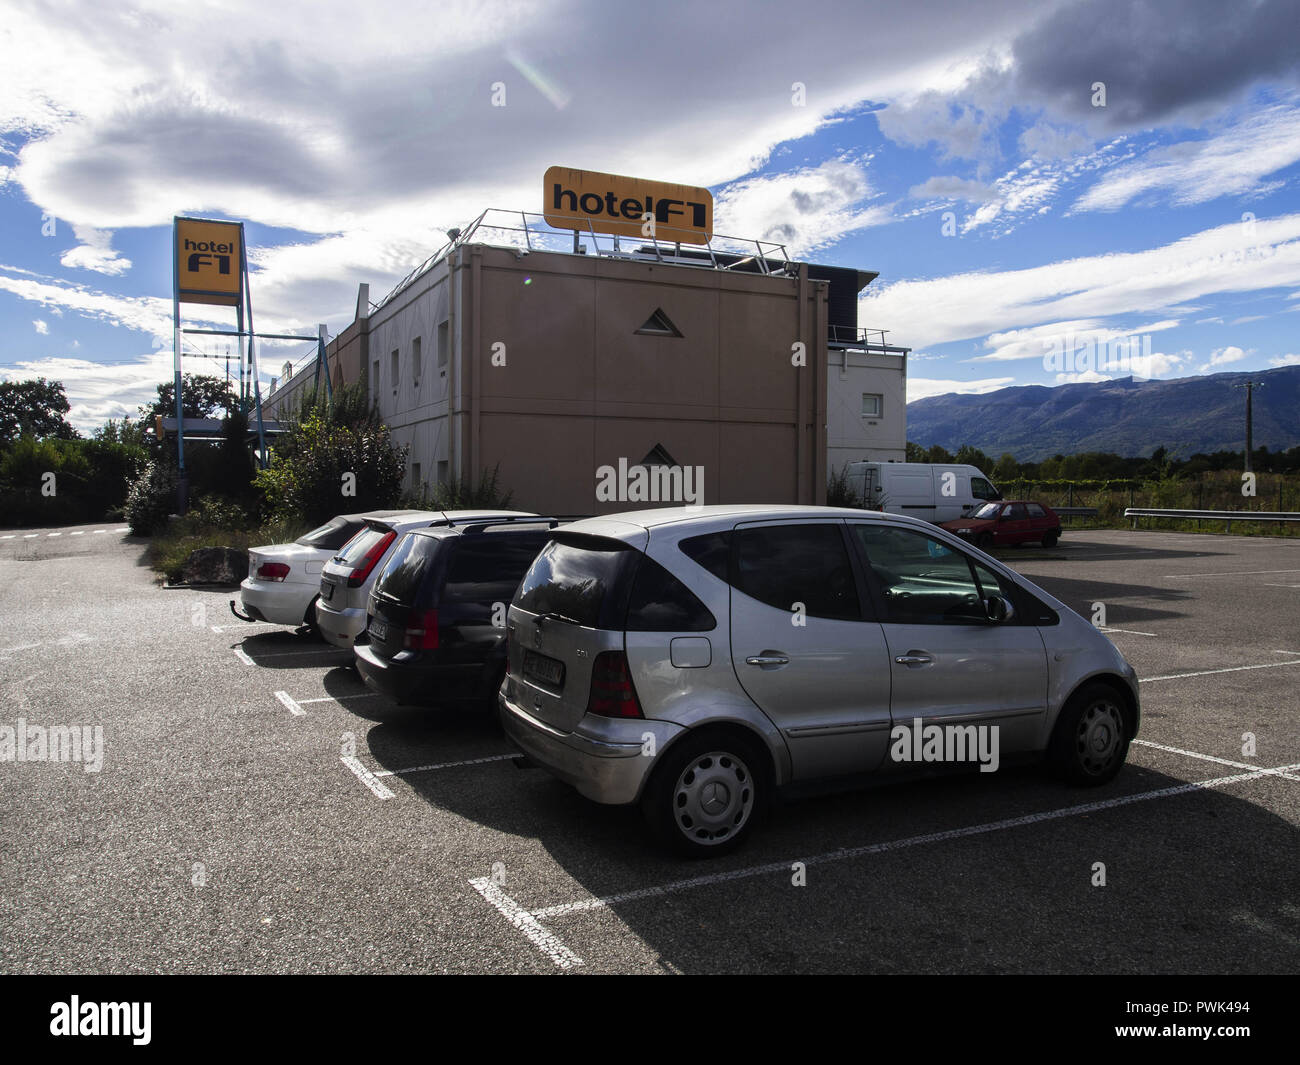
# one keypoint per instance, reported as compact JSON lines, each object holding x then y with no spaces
{"x":911,"y":841}
{"x":1229,"y":573}
{"x":101,"y":530}
{"x":54,"y":534}
{"x":339,"y":698}
{"x":542,"y":938}
{"x":366,"y":777}
{"x":1206,"y":757}
{"x":288,"y":701}
{"x":79,"y":532}
{"x":9,"y":537}
{"x":1211,"y":672}
{"x":1131,"y":632}
{"x":239,"y":653}
{"x":443,"y":765}
{"x":30,"y":536}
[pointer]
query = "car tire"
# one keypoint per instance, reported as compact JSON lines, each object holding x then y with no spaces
{"x":710,"y":767}
{"x":1051,"y":538}
{"x":310,"y":620}
{"x":1091,"y":738}
{"x":984,"y":541}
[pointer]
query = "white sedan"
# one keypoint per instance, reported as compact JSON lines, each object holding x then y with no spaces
{"x":283,"y":580}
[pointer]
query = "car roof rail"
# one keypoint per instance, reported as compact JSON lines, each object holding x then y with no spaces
{"x":550,"y":520}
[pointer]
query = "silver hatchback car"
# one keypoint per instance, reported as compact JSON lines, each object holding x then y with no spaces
{"x":694,"y":660}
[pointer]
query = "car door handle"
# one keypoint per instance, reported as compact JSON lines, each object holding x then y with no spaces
{"x":914,"y":658}
{"x":768,"y":658}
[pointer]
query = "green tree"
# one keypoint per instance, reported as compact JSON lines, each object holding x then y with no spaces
{"x":124,"y":431}
{"x":973,"y":456}
{"x":202,"y":395}
{"x":321,"y":470}
{"x":34,"y":408}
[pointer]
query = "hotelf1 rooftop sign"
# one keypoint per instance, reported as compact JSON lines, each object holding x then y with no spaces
{"x":589,"y":201}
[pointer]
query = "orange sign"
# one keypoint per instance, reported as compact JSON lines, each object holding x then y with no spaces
{"x":208,"y":261}
{"x":626,"y":206}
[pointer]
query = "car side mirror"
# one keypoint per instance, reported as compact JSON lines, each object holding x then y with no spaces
{"x":998,"y":610}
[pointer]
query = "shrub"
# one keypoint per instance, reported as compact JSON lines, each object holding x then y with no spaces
{"x":461,"y":494}
{"x":151,"y":498}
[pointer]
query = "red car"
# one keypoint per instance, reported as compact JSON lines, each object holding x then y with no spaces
{"x":1008,"y":521}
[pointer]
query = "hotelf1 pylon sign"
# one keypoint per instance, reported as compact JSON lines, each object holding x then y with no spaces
{"x":210,"y":266}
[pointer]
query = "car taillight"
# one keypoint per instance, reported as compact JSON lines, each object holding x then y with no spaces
{"x":272,"y":571}
{"x":362,"y":569}
{"x":612,"y":694}
{"x":422,"y":631}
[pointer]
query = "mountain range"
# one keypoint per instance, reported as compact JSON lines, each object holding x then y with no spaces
{"x":1128,"y":416}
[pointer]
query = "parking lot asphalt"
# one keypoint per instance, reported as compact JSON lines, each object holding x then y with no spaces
{"x":258,"y":810}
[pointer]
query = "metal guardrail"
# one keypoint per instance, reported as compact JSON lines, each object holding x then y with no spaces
{"x":1226,"y":516}
{"x":1077,"y":512}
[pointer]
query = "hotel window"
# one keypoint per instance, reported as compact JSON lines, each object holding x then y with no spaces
{"x":415,"y":360}
{"x":871,"y":404}
{"x":444,"y":343}
{"x":393,"y":369}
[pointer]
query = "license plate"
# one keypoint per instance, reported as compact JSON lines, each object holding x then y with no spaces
{"x":326,"y":591}
{"x":549,"y":671}
{"x":378,"y":629}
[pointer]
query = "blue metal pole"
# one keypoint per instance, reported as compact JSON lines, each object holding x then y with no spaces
{"x":181,"y":486}
{"x":252,"y":352}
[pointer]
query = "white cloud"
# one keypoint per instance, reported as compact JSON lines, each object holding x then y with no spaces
{"x":1231,"y":163}
{"x":41,"y":326}
{"x":96,"y":391}
{"x":1285,"y":360}
{"x":1224,"y":356}
{"x":921,"y":387}
{"x":924,"y":313}
{"x":952,"y":188}
{"x":804,"y":209}
{"x":95,"y":252}
{"x":1051,"y":143}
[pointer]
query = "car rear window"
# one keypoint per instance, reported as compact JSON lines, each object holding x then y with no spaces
{"x":407,"y":567}
{"x":355,"y":549}
{"x":488,"y":569}
{"x":1035,"y":511}
{"x":583,"y":579}
{"x":332,"y":535}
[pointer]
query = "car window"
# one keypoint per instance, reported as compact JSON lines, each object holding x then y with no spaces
{"x":582,"y":578}
{"x":922,"y":580}
{"x":982,"y":489}
{"x":712,"y":551}
{"x":1017,"y":512}
{"x":488,"y":569}
{"x":988,"y":510}
{"x":782,"y":565}
{"x":406,"y":568}
{"x":355,"y":549}
{"x":662,"y":603}
{"x":332,"y":535}
{"x":1035,"y":511}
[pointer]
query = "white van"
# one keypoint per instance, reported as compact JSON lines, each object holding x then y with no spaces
{"x":932,"y":491}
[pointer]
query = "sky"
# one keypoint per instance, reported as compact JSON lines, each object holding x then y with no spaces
{"x":1051,"y":191}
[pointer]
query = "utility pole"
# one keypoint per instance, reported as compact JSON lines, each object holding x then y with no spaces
{"x":1250,"y":387}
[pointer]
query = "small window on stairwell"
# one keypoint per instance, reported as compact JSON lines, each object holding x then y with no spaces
{"x":658,"y":325}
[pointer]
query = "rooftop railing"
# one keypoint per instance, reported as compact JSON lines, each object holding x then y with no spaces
{"x":531,"y":232}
